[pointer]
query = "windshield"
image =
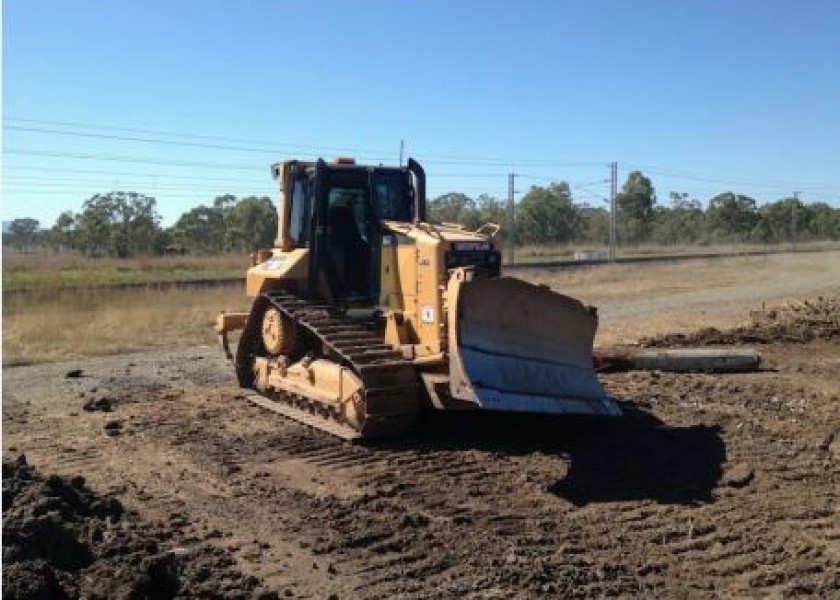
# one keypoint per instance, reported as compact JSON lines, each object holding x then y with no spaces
{"x":348,"y":207}
{"x":392,"y":196}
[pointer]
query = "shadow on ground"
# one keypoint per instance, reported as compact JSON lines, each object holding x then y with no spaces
{"x":636,"y":457}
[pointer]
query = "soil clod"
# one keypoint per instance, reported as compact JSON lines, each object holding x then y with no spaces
{"x":61,"y":540}
{"x":102,"y":404}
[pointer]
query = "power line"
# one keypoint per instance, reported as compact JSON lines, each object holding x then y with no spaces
{"x":613,"y":211}
{"x":42,"y":169}
{"x":274,"y":151}
{"x":473,"y":192}
{"x":160,"y":181}
{"x":156,"y":180}
{"x":537,"y":177}
{"x":36,"y":185}
{"x":144,"y":160}
{"x":127,"y":159}
{"x":510,"y":213}
{"x":725,"y":181}
{"x":432,"y":158}
{"x":167,"y":195}
{"x":216,"y":138}
{"x":212,"y":142}
{"x":19,"y":186}
{"x":438,"y":175}
{"x":572,"y":184}
{"x":125,"y":138}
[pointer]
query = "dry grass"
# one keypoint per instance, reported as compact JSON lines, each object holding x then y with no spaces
{"x":47,"y":269}
{"x":51,"y":270}
{"x":633,"y":300}
{"x":93,"y":323}
{"x":545,"y":252}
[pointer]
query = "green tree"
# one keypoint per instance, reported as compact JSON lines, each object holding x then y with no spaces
{"x":93,"y":228}
{"x":453,"y":207}
{"x":765,"y":231}
{"x":635,"y":207}
{"x":683,"y":222}
{"x":460,"y":209}
{"x":118,"y":224}
{"x":251,"y":224}
{"x":224,"y":203}
{"x":142,"y":225}
{"x":732,"y":216}
{"x":596,"y":224}
{"x":62,"y":233}
{"x":777,"y":220}
{"x":24,"y":232}
{"x":825,"y":221}
{"x":548,"y":215}
{"x":201,"y":229}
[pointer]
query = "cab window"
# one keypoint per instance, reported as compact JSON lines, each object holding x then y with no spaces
{"x":393,"y":197}
{"x":352,"y":206}
{"x":300,"y":214}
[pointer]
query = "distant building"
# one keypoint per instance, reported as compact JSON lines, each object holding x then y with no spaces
{"x":589,"y":255}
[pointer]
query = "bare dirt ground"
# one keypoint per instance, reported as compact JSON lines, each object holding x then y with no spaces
{"x":710,"y":486}
{"x":635,"y":301}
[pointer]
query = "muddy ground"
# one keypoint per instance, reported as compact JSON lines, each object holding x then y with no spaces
{"x":710,"y":486}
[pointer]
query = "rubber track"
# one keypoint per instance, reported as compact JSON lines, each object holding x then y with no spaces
{"x":391,"y":398}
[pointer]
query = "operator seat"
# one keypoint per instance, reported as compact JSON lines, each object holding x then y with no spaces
{"x":349,"y":250}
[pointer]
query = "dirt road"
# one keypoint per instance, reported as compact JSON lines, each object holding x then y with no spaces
{"x":711,"y":486}
{"x":635,"y":301}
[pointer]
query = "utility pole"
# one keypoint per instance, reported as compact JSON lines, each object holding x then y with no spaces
{"x":511,"y":223}
{"x":613,"y":186}
{"x":793,"y":219}
{"x":402,"y":147}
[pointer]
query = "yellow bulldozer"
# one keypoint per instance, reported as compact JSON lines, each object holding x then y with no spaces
{"x":365,"y":313}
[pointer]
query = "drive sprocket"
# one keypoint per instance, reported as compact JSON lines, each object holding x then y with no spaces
{"x":279,"y":333}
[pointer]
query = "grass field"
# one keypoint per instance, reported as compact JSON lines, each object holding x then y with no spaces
{"x":97,"y":322}
{"x":633,"y":300}
{"x":41,"y":269}
{"x":37,"y":271}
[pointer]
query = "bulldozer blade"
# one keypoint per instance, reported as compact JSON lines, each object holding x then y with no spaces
{"x":514,"y":346}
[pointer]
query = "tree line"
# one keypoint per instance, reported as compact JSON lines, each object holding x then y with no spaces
{"x":550,"y":215}
{"x":124,"y":224}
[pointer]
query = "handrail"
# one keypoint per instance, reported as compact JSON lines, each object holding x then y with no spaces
{"x":496,"y":229}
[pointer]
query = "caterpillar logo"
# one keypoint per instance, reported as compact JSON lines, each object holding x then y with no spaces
{"x":471,"y":246}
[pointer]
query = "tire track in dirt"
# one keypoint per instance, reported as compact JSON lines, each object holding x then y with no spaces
{"x":384,"y":556}
{"x":764,"y":523}
{"x":361,"y":528}
{"x":710,"y":487}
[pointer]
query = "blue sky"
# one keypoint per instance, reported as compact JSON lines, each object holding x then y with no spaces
{"x":187,"y":99}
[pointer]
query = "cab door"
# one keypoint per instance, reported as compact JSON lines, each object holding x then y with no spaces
{"x":346,"y":235}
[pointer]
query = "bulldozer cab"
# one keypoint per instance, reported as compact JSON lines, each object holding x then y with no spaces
{"x":336,"y":210}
